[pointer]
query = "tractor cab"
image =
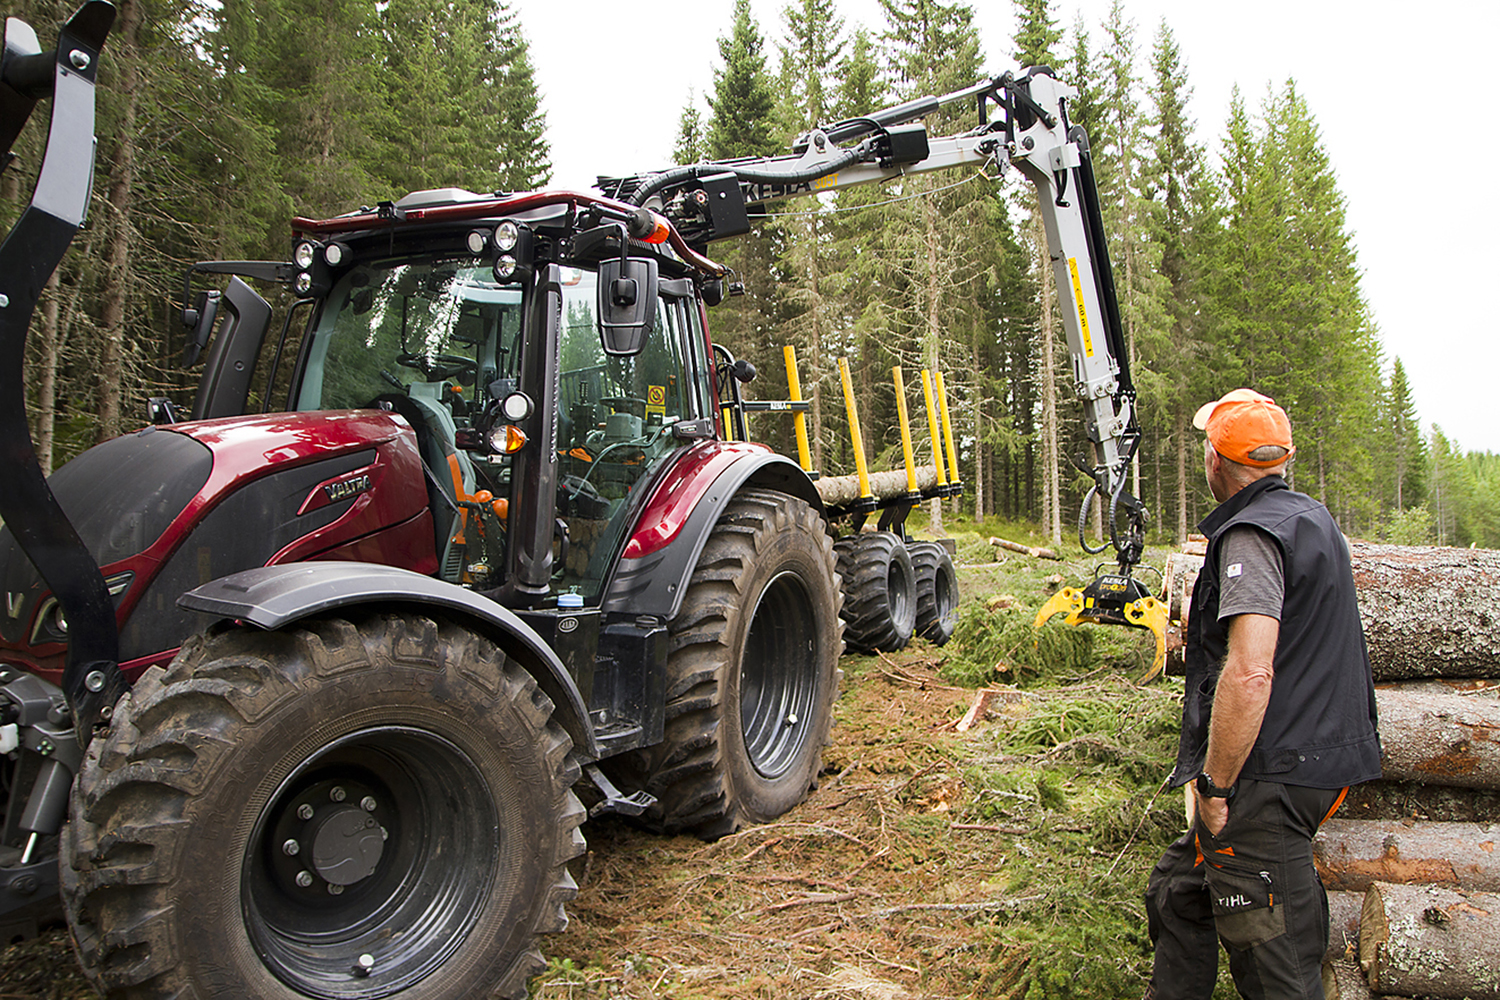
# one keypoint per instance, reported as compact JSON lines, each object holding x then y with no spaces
{"x":541,"y":386}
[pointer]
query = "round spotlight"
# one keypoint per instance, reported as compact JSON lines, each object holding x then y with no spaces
{"x":303,"y":283}
{"x":335,"y":254}
{"x":505,"y":266}
{"x":477,"y":242}
{"x":303,"y":255}
{"x":516,"y":407}
{"x":507,"y":235}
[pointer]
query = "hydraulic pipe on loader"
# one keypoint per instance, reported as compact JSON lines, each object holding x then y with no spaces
{"x":31,"y":252}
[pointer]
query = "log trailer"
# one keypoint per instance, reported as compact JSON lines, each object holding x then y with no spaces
{"x":307,"y":692}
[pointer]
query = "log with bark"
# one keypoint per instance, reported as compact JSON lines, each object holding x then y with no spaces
{"x":1429,"y":612}
{"x":1434,"y":734}
{"x":1423,"y":940}
{"x":1345,"y":980}
{"x":1343,"y":925}
{"x":839,"y":490}
{"x":1029,"y":550}
{"x":1353,"y":854}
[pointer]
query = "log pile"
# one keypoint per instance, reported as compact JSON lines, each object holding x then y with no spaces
{"x":1412,"y":862}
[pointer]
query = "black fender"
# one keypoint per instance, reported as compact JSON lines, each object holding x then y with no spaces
{"x":654,"y":583}
{"x":274,"y":596}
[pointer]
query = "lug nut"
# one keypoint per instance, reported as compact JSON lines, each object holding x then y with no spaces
{"x":290,"y":848}
{"x":367,"y":803}
{"x":304,"y":879}
{"x":335,"y":890}
{"x":337,"y":793}
{"x":304,"y":812}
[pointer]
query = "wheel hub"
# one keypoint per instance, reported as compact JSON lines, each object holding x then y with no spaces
{"x":347,"y":845}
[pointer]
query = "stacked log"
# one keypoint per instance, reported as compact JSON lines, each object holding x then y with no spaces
{"x":1411,"y":862}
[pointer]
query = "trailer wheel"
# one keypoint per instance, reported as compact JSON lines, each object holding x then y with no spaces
{"x":752,"y":673}
{"x":346,"y":808}
{"x":937,"y":591}
{"x":880,"y":591}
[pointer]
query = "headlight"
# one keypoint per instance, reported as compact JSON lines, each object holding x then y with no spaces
{"x":304,"y":254}
{"x":303,"y":283}
{"x":516,"y":407}
{"x":477,"y":242}
{"x":507,"y":235}
{"x":505,"y":266}
{"x":335,"y":254}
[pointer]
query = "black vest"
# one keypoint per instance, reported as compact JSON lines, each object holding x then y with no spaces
{"x":1319,"y":729}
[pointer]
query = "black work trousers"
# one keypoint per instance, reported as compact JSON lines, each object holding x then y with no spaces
{"x":1254,"y":888}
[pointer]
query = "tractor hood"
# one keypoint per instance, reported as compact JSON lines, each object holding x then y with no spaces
{"x":168,"y":508}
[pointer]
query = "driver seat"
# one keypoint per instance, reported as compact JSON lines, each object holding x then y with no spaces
{"x":449,"y":469}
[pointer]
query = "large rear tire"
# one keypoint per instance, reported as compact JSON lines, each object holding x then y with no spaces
{"x":752,"y":673}
{"x":361,"y":807}
{"x":937,"y":591}
{"x":880,"y":591}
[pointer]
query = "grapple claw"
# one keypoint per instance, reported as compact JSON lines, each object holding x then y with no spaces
{"x":1148,"y":612}
{"x":1068,"y":599}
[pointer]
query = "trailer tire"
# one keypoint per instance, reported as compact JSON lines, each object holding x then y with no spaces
{"x":752,"y":673}
{"x":262,"y":814}
{"x":937,"y":591}
{"x":880,"y":591}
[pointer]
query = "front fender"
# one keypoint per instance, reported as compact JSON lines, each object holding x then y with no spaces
{"x":653,"y":572}
{"x":274,"y":596}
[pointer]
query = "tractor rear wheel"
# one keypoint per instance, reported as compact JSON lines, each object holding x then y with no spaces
{"x":880,"y":591}
{"x":937,"y":591}
{"x":752,"y":673}
{"x":351,"y":807}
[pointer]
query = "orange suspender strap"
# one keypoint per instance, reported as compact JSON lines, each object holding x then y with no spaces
{"x":1336,"y":803}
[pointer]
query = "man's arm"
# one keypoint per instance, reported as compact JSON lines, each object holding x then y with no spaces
{"x":1240,"y":702}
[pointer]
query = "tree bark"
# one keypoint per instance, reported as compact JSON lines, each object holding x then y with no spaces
{"x":1430,"y":941}
{"x":1343,"y":926}
{"x":1412,"y":800}
{"x":1345,"y":980}
{"x":116,"y":292}
{"x":1433,"y":734}
{"x":839,"y":490}
{"x":1428,"y":611}
{"x":1353,"y":854}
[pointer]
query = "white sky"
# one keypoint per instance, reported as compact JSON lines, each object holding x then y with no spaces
{"x":1400,"y":94}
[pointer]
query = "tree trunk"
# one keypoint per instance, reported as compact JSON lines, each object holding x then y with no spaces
{"x":1345,"y":980}
{"x":1430,"y":941}
{"x":839,"y":490}
{"x":1051,"y":476}
{"x":1429,"y":612}
{"x":1433,"y":734}
{"x":1181,"y":431}
{"x":930,"y":355}
{"x":1352,"y":854}
{"x":1343,"y":926}
{"x":49,"y":355}
{"x":116,"y":292}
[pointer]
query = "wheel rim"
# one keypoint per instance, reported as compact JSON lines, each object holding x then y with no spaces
{"x":381,"y":842}
{"x":779,"y":676}
{"x":899,"y":591}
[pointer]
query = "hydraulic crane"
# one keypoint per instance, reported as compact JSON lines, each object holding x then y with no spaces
{"x":1023,"y":123}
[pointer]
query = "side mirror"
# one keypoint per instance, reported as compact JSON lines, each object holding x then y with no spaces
{"x":626,"y":304}
{"x":199,"y":320}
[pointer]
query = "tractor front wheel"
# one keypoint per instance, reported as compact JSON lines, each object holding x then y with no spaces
{"x":349,"y":808}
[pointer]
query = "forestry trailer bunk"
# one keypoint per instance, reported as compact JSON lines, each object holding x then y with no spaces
{"x":309,"y":702}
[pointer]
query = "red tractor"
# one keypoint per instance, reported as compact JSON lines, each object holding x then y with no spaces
{"x":307,"y":692}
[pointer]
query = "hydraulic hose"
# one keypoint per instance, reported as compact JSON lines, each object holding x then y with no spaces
{"x":667,"y":178}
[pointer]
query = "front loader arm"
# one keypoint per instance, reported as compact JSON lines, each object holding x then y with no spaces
{"x":30,"y":253}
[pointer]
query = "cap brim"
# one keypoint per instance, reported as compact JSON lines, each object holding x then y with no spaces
{"x":1200,"y":419}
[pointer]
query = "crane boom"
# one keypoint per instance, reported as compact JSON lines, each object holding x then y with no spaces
{"x":1023,"y":123}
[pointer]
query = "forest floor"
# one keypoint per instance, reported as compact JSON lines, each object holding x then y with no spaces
{"x":1005,"y":861}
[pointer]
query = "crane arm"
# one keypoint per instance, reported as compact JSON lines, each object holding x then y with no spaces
{"x":1023,"y":124}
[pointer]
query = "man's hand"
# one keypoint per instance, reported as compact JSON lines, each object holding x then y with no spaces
{"x":1214,"y":812}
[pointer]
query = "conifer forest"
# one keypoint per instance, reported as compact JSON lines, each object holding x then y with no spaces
{"x":1234,"y":265}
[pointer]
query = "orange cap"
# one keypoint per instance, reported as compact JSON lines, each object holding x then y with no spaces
{"x":1243,"y":420}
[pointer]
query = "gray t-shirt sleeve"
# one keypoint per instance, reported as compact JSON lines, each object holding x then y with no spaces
{"x":1251,"y":574}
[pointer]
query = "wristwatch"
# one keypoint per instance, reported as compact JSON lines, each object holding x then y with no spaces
{"x":1209,"y":790}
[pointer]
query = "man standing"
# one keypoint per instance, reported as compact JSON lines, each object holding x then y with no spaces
{"x":1278,"y":720}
